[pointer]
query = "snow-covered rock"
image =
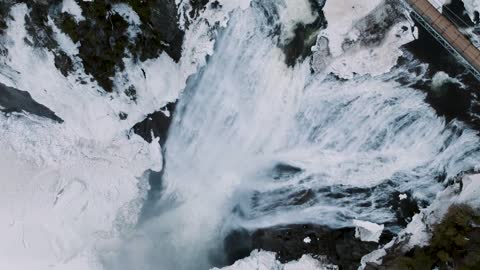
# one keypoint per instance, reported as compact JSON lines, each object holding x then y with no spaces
{"x":471,"y":6}
{"x":263,"y":260}
{"x":419,"y":231}
{"x":71,"y":7}
{"x":368,"y":231}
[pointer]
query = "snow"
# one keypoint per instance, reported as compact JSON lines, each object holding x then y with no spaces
{"x":62,"y":194}
{"x":470,"y":192}
{"x":67,"y":189}
{"x":440,"y":78}
{"x":64,"y":41}
{"x":292,"y":14}
{"x":438,"y":4}
{"x":341,"y":17}
{"x":402,"y":197}
{"x":263,"y":260}
{"x":418,"y":231}
{"x":363,"y":61}
{"x":372,"y":257}
{"x":367,"y":231}
{"x":75,"y":190}
{"x":471,"y":6}
{"x":130,"y":16}
{"x":346,"y":21}
{"x":82,"y":182}
{"x":71,"y":7}
{"x":307,"y":240}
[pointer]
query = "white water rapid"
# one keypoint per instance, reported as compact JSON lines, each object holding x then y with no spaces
{"x":255,"y":143}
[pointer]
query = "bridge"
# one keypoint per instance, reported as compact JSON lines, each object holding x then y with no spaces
{"x":446,"y":33}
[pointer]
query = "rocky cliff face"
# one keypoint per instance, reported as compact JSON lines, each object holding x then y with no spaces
{"x":105,"y":32}
{"x":107,"y":37}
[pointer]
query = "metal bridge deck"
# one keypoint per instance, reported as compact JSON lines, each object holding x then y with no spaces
{"x":447,"y":34}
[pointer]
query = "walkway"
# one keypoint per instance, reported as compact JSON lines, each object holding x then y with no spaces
{"x":447,"y":34}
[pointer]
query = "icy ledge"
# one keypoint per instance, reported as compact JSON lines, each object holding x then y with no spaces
{"x":263,"y":260}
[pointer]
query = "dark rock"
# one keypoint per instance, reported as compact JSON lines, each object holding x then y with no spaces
{"x":305,"y":37}
{"x":104,"y":41}
{"x":63,"y":63}
{"x":301,"y":197}
{"x":339,"y":245}
{"x":131,"y":92}
{"x":450,"y":99}
{"x":14,"y":100}
{"x":197,"y":6}
{"x":5,"y":6}
{"x":123,"y":116}
{"x":404,"y":209}
{"x":282,"y":170}
{"x":36,"y":24}
{"x":40,"y":33}
{"x":215,"y":4}
{"x":160,"y":29}
{"x":455,"y":244}
{"x":157,"y":124}
{"x":238,"y":245}
{"x":455,"y":11}
{"x":375,"y":26}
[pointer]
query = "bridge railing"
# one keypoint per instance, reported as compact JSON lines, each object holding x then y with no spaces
{"x":444,"y":31}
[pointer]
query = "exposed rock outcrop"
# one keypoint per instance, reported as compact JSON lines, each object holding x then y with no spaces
{"x":290,"y":242}
{"x":455,"y":244}
{"x":14,"y":100}
{"x":156,"y":125}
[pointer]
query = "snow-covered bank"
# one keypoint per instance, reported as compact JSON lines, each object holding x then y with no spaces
{"x":262,"y":260}
{"x":68,"y":188}
{"x":342,"y":17}
{"x":349,"y":51}
{"x":63,"y":195}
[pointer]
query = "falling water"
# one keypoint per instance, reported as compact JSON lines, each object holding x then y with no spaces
{"x":255,"y":143}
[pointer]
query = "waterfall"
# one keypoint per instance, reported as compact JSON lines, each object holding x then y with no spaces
{"x":255,"y":143}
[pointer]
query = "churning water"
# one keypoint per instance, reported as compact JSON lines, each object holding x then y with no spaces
{"x":255,"y":143}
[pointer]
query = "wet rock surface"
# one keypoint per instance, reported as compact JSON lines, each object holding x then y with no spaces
{"x":299,"y":48}
{"x":405,"y":207}
{"x":290,"y":242}
{"x":156,"y":124}
{"x":14,"y":100}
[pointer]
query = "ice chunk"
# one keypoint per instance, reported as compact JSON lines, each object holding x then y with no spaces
{"x":368,"y":231}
